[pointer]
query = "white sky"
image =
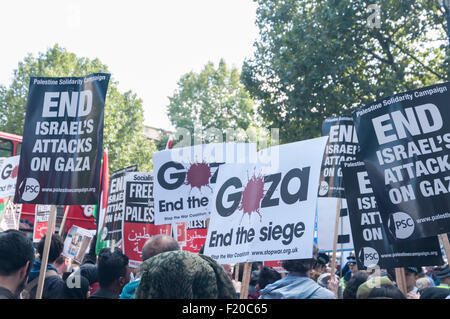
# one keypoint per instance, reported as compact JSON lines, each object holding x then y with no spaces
{"x":147,"y":45}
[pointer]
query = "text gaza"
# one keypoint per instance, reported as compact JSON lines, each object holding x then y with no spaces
{"x":268,"y":200}
{"x":177,"y":179}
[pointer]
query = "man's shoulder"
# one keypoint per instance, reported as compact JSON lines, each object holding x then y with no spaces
{"x":6,"y":294}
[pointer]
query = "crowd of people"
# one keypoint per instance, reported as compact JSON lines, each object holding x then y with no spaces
{"x":167,"y":272}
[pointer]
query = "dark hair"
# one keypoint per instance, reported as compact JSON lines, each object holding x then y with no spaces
{"x":15,"y":250}
{"x":75,"y":287}
{"x":60,"y":260}
{"x":386,"y":291}
{"x":267,"y":276}
{"x":56,"y":248}
{"x":301,"y":265}
{"x":353,"y":284}
{"x":111,"y":265}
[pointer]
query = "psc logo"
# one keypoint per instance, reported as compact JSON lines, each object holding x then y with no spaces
{"x":401,"y":225}
{"x":368,"y":256}
{"x":30,"y":189}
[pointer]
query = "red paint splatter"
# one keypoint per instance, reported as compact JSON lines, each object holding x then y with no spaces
{"x":198,"y":175}
{"x":252,"y":196}
{"x":14,"y":172}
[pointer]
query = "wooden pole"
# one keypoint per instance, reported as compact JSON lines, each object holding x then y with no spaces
{"x":236,"y":272}
{"x":401,"y":280}
{"x":44,"y":257}
{"x":336,"y":233}
{"x":246,"y":276}
{"x":446,"y":243}
{"x":63,"y":223}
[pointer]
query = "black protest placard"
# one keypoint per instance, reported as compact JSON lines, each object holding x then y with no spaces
{"x":112,"y":229}
{"x":62,"y":145}
{"x":138,"y":216}
{"x":342,"y":146}
{"x":405,"y":145}
{"x":369,"y":234}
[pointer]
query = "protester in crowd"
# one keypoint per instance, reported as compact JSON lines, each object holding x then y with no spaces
{"x":61,"y":264}
{"x":324,"y":281}
{"x":236,"y":284}
{"x":16,"y":259}
{"x":385,"y":291}
{"x":422,"y":284}
{"x":88,"y":268}
{"x":53,"y":283}
{"x":376,"y":281}
{"x":349,"y":270}
{"x":444,"y":277}
{"x":353,"y":284}
{"x":183,"y":275}
{"x":152,"y":247}
{"x":297,"y":284}
{"x":411,"y":275}
{"x":266,"y":276}
{"x":113,"y":274}
{"x":435,"y":293}
{"x":76,"y":286}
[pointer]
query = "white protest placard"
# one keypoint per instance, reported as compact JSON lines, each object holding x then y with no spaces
{"x":41,"y":218}
{"x":185,"y":177}
{"x":265,"y":212}
{"x":77,"y":243}
{"x":326,"y":211}
{"x":8,"y":176}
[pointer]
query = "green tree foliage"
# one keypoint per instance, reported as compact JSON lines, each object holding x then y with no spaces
{"x":317,"y":59}
{"x":124,"y":114}
{"x":212,"y":99}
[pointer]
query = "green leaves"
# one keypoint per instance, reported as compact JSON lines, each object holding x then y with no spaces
{"x":317,"y":59}
{"x":124,"y":115}
{"x":213,"y":98}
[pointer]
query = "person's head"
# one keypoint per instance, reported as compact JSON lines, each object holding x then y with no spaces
{"x":267,"y":276}
{"x":386,"y":291}
{"x":62,"y":264}
{"x":351,"y":260}
{"x":16,"y":259}
{"x":56,"y":248}
{"x":227,"y":268}
{"x":76,"y":287}
{"x":353,"y":284}
{"x":411,"y":275}
{"x":321,"y":263}
{"x":158,"y":244}
{"x":444,"y":275}
{"x":302,"y":266}
{"x":422,"y":284}
{"x":113,"y":270}
{"x":435,"y":293}
{"x":183,"y":275}
{"x":373,"y":281}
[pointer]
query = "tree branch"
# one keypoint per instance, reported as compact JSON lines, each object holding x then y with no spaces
{"x":404,"y":51}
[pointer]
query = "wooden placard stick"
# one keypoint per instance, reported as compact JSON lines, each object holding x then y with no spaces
{"x":446,"y":243}
{"x":44,"y":257}
{"x":246,"y":276}
{"x":236,"y":272}
{"x":336,"y":233}
{"x":401,"y":280}
{"x":63,"y":223}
